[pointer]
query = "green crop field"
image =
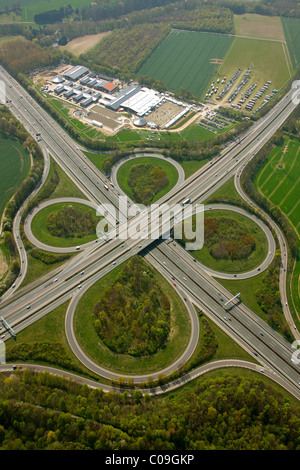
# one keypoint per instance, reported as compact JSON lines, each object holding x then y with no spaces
{"x":279,"y":180}
{"x":32,"y":7}
{"x":291,"y":27}
{"x":14,"y":167}
{"x":183,"y":59}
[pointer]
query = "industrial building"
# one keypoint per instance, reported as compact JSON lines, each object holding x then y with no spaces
{"x":122,"y":96}
{"x":58,"y":80}
{"x":136,"y":100}
{"x":76,"y":73}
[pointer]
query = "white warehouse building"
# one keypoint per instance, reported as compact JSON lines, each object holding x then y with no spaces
{"x":143,"y":101}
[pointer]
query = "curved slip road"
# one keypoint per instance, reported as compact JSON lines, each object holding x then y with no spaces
{"x":117,"y":166}
{"x":161,"y":389}
{"x":55,"y":249}
{"x":108,"y":374}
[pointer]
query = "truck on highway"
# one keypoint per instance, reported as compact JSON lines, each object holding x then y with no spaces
{"x":186,"y":201}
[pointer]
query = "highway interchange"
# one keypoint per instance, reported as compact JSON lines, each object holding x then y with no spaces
{"x":193,"y":282}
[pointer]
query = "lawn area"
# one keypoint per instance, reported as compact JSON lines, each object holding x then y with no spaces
{"x":227,"y":193}
{"x":65,"y":187}
{"x":247,"y":288}
{"x":228,"y":265}
{"x":14,"y":167}
{"x":50,"y":330}
{"x":124,"y":363}
{"x":37,"y":268}
{"x":184,"y":58}
{"x":97,"y":159}
{"x":191,"y":166}
{"x":41,"y":232}
{"x":124,"y":172}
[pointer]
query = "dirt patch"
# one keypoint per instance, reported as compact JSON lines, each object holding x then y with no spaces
{"x":258,"y":26}
{"x":80,"y":45}
{"x":164,"y":113}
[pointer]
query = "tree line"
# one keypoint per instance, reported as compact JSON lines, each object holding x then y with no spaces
{"x":46,"y":412}
{"x":9,"y":125}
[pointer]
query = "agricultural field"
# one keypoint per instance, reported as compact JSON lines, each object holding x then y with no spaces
{"x":186,"y":59}
{"x":291,"y":27}
{"x":82,"y":44}
{"x":33,"y":7}
{"x":268,"y":61}
{"x":259,"y":26}
{"x":14,"y":167}
{"x":279,"y":180}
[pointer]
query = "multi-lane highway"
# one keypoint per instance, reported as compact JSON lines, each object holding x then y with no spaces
{"x":244,"y":326}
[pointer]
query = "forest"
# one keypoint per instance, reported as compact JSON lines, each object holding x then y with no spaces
{"x":133,"y":315}
{"x":71,"y":222}
{"x":45,"y":412}
{"x":145,"y":181}
{"x":226,"y":238}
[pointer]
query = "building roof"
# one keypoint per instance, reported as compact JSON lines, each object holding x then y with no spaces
{"x":110,"y":86}
{"x":139,"y":122}
{"x":76,"y":72}
{"x":123,"y":95}
{"x":58,"y":80}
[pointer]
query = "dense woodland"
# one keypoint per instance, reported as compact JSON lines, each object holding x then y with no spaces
{"x":71,"y":222}
{"x":226,"y":238}
{"x":125,"y":50}
{"x":133,"y":314}
{"x":44,"y":412}
{"x":146,"y":181}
